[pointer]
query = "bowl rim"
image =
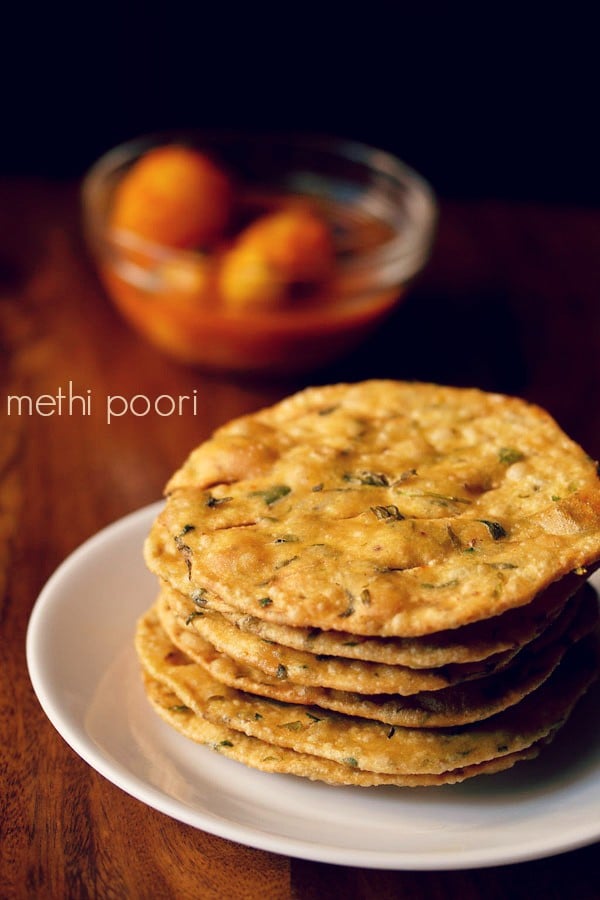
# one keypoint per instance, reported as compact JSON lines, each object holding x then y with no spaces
{"x":391,"y":264}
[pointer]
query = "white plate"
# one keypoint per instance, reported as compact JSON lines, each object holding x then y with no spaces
{"x":84,"y":672}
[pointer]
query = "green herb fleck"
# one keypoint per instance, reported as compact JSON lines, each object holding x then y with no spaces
{"x":193,"y":615}
{"x":388,"y":513}
{"x":281,"y":671}
{"x":199,"y":597}
{"x":293,"y":726}
{"x":375,"y":479}
{"x":391,"y":732}
{"x":265,"y":601}
{"x":185,"y":549}
{"x":410,"y":473}
{"x":508,"y":455}
{"x":444,"y":584}
{"x":179,"y":708}
{"x":350,"y":761}
{"x":328,"y":410}
{"x":495,"y":529}
{"x":225,"y":744}
{"x":502,"y":565}
{"x":286,"y":562}
{"x":273,"y":494}
{"x":217,"y":501}
{"x":286,"y":539}
{"x":349,"y":609}
{"x":555,"y":498}
{"x":365,"y":596}
{"x":314,"y":718}
{"x":454,"y":538}
{"x":257,"y":716}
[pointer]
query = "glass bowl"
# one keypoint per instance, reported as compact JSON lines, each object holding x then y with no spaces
{"x":380,"y":213}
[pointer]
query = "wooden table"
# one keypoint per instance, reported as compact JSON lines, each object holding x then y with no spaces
{"x":510,"y":301}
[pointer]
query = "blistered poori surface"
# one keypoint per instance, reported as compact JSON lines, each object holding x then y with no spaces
{"x":381,"y":508}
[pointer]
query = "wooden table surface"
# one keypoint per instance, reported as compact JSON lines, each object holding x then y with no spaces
{"x":509,"y":301}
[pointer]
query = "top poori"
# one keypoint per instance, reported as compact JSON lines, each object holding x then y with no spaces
{"x":376,"y":583}
{"x":381,"y":508}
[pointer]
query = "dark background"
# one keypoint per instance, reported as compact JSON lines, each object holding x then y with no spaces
{"x":496,"y":102}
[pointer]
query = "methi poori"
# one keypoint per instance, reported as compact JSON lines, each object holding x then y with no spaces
{"x":385,"y":576}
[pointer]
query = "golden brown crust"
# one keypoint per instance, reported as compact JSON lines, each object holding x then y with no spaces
{"x":371,"y":745}
{"x":469,"y":644}
{"x":382,"y":508}
{"x":260,"y":755}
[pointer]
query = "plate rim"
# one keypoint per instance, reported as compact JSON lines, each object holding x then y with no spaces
{"x":207,"y":820}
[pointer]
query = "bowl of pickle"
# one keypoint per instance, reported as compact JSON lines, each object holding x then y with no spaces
{"x":255,"y":253}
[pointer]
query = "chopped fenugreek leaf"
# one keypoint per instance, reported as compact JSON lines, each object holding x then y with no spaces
{"x":508,"y":455}
{"x":350,"y":761}
{"x":193,"y":615}
{"x":217,"y":501}
{"x":328,"y":410}
{"x":179,"y":708}
{"x":348,"y":611}
{"x":495,"y":529}
{"x":265,"y":601}
{"x":225,"y":744}
{"x":502,"y":565}
{"x":199,"y":597}
{"x":444,"y":584}
{"x":286,"y":562}
{"x":375,"y":479}
{"x":257,"y":716}
{"x":281,"y":671}
{"x":410,"y":473}
{"x":185,"y":529}
{"x":287,"y":539}
{"x":293,"y":726}
{"x":185,"y":549}
{"x":454,"y":538}
{"x":273,"y":494}
{"x":387,"y":513}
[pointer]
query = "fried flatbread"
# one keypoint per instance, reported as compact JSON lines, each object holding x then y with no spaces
{"x":315,"y":670}
{"x":260,"y":755}
{"x":380,"y":509}
{"x":471,"y":643}
{"x":460,"y":704}
{"x":371,"y":745}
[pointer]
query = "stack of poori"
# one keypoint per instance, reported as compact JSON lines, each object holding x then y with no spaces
{"x":376,"y":583}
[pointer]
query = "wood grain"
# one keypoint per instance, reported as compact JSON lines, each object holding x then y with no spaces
{"x":508,"y":302}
